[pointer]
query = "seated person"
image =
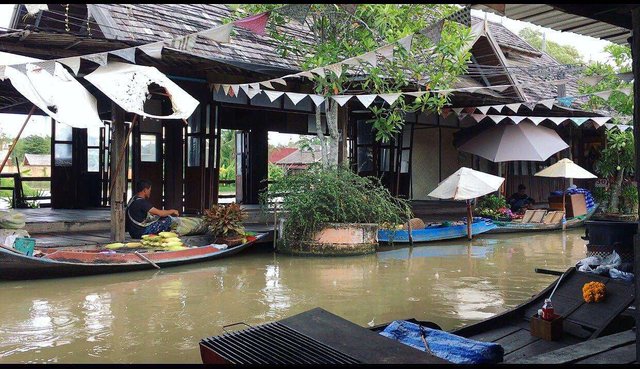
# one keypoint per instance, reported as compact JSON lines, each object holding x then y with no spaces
{"x":520,"y":200}
{"x":142,"y":218}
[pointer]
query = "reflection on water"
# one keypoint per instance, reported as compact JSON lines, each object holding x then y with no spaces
{"x":159,"y":316}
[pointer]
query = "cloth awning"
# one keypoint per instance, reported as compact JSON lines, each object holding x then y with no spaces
{"x":128,"y":86}
{"x":56,"y":93}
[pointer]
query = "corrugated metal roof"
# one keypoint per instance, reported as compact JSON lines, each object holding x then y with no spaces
{"x":552,"y":16}
{"x":37,"y":159}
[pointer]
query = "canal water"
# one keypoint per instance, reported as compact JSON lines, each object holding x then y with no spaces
{"x":159,"y":316}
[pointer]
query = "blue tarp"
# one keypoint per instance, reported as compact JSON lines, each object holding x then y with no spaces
{"x":445,"y":345}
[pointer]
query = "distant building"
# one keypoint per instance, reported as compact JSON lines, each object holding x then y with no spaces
{"x":280,"y":153}
{"x":38,"y":164}
{"x":300,"y":159}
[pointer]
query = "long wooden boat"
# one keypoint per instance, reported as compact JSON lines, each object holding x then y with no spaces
{"x":509,"y":227}
{"x":435,"y":232}
{"x":59,"y":262}
{"x":581,"y":321}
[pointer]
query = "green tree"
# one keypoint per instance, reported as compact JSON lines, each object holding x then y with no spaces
{"x":564,"y":54}
{"x":227,"y":154}
{"x":340,"y":33}
{"x":32,"y":144}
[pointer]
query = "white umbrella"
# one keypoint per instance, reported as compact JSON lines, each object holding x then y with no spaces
{"x":565,"y":168}
{"x":466,"y":184}
{"x":524,"y":141}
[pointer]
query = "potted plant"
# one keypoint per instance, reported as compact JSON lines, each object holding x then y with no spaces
{"x":224,"y":222}
{"x":332,"y":211}
{"x":493,"y":207}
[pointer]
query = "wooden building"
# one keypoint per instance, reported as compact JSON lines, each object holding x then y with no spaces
{"x":183,"y":160}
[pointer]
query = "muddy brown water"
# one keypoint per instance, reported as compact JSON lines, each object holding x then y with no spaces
{"x":160,"y":316}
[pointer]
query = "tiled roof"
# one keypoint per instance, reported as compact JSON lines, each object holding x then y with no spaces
{"x":302,"y":157}
{"x":280,"y":153}
{"x":37,"y":159}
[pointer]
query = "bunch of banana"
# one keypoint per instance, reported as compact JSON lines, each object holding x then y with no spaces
{"x":166,"y":241}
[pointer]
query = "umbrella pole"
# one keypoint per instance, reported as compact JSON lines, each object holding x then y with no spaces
{"x":469,"y":220}
{"x":564,"y":210}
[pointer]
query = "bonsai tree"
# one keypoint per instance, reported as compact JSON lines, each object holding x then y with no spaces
{"x":225,"y":221}
{"x":317,"y":196}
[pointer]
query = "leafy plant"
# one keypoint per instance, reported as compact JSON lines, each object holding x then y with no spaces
{"x":320,"y":195}
{"x":225,"y":220}
{"x":493,"y":206}
{"x":616,"y":163}
{"x":601,"y":195}
{"x":629,"y":195}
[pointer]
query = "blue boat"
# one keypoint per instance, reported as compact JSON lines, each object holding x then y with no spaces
{"x":435,"y":232}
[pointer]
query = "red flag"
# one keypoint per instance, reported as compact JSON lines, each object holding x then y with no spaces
{"x":469,"y":110}
{"x":446,"y":112}
{"x":256,"y":24}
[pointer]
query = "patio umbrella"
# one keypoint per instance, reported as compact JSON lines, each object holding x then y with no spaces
{"x":509,"y":142}
{"x":466,"y":184}
{"x":565,"y":168}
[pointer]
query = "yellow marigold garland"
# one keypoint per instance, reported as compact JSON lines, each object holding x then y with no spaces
{"x":593,"y":291}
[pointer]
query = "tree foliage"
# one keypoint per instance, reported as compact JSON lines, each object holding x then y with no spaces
{"x":32,"y":144}
{"x":564,"y":54}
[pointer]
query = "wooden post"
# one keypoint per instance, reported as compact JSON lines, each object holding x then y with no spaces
{"x":118,"y":180}
{"x":15,"y":140}
{"x":469,"y":220}
{"x":343,"y":129}
{"x":635,"y":53}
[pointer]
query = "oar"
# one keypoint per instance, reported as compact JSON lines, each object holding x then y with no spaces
{"x":146,"y":259}
{"x":548,"y":271}
{"x":557,"y":284}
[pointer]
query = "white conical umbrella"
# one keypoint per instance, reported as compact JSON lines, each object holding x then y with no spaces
{"x":565,"y":168}
{"x":466,"y":184}
{"x":509,"y":142}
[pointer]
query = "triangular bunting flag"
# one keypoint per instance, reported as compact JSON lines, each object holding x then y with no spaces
{"x":252,"y":92}
{"x":341,"y":99}
{"x":352,"y":61}
{"x":433,"y":32}
{"x":516,"y":118}
{"x":416,"y":94}
{"x":610,"y":125}
{"x":498,"y":88}
{"x":128,"y":54}
{"x":186,"y":42}
{"x":335,"y":68}
{"x":366,"y":100}
{"x":406,"y":42}
{"x":446,"y":112}
{"x":484,"y":109}
{"x":626,"y":76}
{"x":565,"y":101}
{"x":235,"y":89}
{"x":295,"y":97}
{"x":599,"y":121}
{"x":386,"y":51}
{"x":99,"y":58}
{"x":220,"y":34}
{"x":591,"y":80}
{"x":256,"y":24}
{"x":469,"y":110}
{"x":273,"y":95}
{"x":306,"y":74}
{"x":390,"y":98}
{"x":49,"y":66}
{"x":369,"y":57}
{"x":548,"y":103}
{"x":478,"y":117}
{"x":245,"y":88}
{"x":530,"y":105}
{"x":225,"y":88}
{"x":317,"y":99}
{"x":72,"y":62}
{"x":279,"y":81}
{"x":154,"y":50}
{"x":296,"y":12}
{"x":457,"y":110}
{"x":254,"y":85}
{"x":498,"y":107}
{"x":319,"y":71}
{"x":624,"y":127}
{"x":578,"y":120}
{"x":513,"y":107}
{"x":215,"y":86}
{"x":557,"y":120}
{"x":2,"y":69}
{"x":536,"y":120}
{"x":626,"y":91}
{"x":497,"y":118}
{"x":266,"y":84}
{"x":22,"y":68}
{"x":603,"y":94}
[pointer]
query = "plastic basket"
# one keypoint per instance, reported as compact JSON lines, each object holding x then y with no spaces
{"x":25,"y":245}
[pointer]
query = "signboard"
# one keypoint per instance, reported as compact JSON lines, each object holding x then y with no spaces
{"x":602,"y":182}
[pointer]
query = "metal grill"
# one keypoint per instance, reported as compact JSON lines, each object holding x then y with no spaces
{"x":273,"y":343}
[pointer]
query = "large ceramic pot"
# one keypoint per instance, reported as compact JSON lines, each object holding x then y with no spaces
{"x":337,"y":239}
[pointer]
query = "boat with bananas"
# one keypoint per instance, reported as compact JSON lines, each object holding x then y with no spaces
{"x":511,"y":226}
{"x":155,"y":251}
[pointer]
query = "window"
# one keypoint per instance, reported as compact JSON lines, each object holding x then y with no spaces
{"x":193,"y":151}
{"x":63,"y":155}
{"x":148,"y":148}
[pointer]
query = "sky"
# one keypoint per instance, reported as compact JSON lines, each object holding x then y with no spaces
{"x":589,"y":48}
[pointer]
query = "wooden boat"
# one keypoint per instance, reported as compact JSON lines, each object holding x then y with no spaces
{"x":435,"y":232}
{"x":581,"y":321}
{"x":509,"y":227}
{"x":58,"y":262}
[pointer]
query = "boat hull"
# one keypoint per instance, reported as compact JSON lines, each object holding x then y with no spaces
{"x":510,"y":227}
{"x":72,"y":263}
{"x":429,"y":234}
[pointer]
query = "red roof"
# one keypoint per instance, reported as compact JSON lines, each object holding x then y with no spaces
{"x":280,"y":153}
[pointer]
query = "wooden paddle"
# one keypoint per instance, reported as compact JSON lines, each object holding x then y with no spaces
{"x":146,"y":259}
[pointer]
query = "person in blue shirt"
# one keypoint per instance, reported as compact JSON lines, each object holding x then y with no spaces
{"x":142,"y":217}
{"x":520,"y":200}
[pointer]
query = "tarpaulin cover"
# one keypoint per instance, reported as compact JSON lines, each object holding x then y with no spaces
{"x":128,"y":86}
{"x":445,"y":345}
{"x":56,"y":93}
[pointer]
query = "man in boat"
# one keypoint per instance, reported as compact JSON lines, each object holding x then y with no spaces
{"x":520,"y":200}
{"x":142,"y":217}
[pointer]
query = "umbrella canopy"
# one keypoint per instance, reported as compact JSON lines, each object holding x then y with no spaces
{"x":524,"y":141}
{"x":466,"y":184}
{"x":128,"y":86}
{"x":565,"y":168}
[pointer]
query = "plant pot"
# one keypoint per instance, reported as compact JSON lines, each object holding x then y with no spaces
{"x":230,"y":241}
{"x":337,"y":239}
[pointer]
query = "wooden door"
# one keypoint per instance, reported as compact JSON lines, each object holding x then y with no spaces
{"x":194,"y":171}
{"x":147,"y":157}
{"x":69,"y":167}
